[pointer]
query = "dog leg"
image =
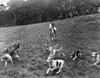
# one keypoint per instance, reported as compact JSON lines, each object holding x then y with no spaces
{"x":95,"y":64}
{"x":17,"y":57}
{"x":75,"y":57}
{"x":58,"y":71}
{"x":11,"y":61}
{"x":53,"y":69}
{"x":5,"y":64}
{"x":48,"y":70}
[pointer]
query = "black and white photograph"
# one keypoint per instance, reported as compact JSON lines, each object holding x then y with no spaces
{"x":49,"y":38}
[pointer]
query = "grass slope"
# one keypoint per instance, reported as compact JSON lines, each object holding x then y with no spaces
{"x":81,"y":33}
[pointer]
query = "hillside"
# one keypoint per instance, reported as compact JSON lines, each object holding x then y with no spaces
{"x":81,"y":32}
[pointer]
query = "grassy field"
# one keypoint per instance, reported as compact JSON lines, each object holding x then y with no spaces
{"x":81,"y":33}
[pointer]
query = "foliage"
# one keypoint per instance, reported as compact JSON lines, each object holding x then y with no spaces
{"x":23,"y":13}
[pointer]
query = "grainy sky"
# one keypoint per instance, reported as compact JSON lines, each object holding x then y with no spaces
{"x":4,"y":2}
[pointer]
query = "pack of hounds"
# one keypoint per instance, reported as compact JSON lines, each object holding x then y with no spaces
{"x":12,"y":51}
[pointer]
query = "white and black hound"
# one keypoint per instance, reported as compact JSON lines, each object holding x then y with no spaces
{"x":53,"y":50}
{"x":96,"y":57}
{"x":54,"y":64}
{"x":50,"y":27}
{"x":49,"y":48}
{"x":11,"y":52}
{"x":52,"y":31}
{"x":76,"y":54}
{"x":9,"y":57}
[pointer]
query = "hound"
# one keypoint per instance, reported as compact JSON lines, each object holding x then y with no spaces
{"x":53,"y":52}
{"x":12,"y":47}
{"x":15,"y":46}
{"x":55,"y":64}
{"x":46,"y":47}
{"x":49,"y":48}
{"x":53,"y":34}
{"x":8,"y":57}
{"x":52,"y":31}
{"x":50,"y":27}
{"x":75,"y":55}
{"x":96,"y":57}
